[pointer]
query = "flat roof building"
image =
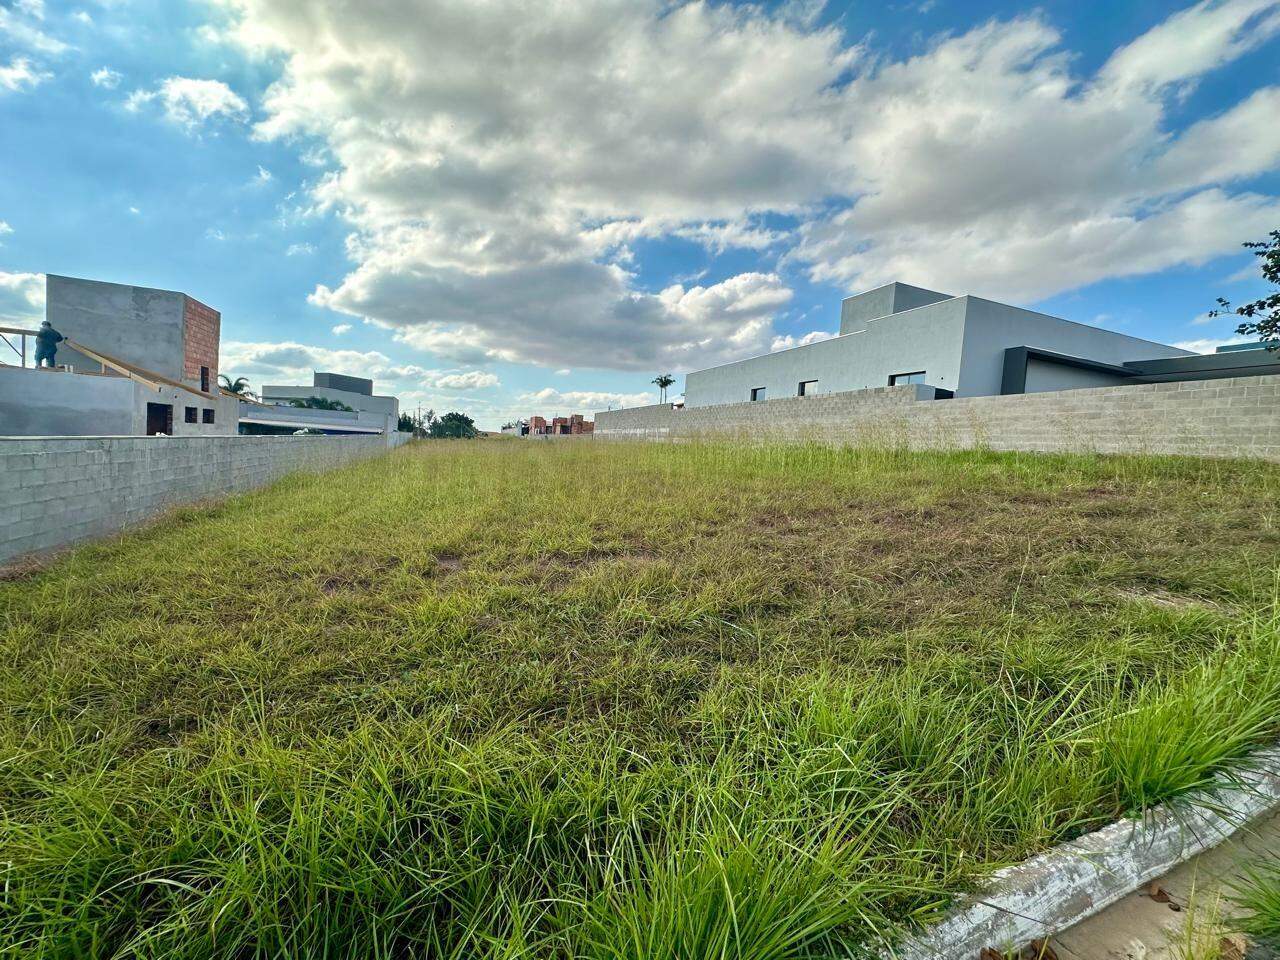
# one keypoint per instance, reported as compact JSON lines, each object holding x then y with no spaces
{"x":964,"y":346}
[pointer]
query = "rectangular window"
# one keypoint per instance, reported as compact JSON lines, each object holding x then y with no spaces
{"x":915,"y":377}
{"x":208,"y":415}
{"x":204,"y":379}
{"x":191,"y":414}
{"x":757,"y":393}
{"x":807,"y":388}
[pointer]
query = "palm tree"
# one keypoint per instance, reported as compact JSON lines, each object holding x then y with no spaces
{"x":663,"y":380}
{"x":239,"y":386}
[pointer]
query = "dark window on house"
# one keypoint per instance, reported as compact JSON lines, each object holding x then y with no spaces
{"x":159,"y":419}
{"x":806,"y":388}
{"x":915,"y":377}
{"x":191,"y":414}
{"x":208,"y":415}
{"x":204,"y":383}
{"x":757,"y":393}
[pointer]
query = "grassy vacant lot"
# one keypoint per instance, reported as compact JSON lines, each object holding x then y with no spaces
{"x":504,"y":699}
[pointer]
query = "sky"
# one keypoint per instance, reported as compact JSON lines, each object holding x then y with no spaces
{"x":511,"y":208}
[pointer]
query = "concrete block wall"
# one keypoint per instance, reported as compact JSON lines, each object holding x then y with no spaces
{"x":1237,"y":417}
{"x":56,"y":491}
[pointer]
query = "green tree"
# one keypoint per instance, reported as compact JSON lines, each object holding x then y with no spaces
{"x":239,"y":386}
{"x":320,"y":403}
{"x":1262,"y":316}
{"x":663,"y":380}
{"x":454,"y":426}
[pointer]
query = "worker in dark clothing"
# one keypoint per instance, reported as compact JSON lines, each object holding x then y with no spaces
{"x":47,"y":340}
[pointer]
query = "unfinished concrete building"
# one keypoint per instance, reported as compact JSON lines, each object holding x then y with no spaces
{"x":136,"y":361}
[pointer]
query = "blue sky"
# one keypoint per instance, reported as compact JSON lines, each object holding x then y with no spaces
{"x":492,"y":208}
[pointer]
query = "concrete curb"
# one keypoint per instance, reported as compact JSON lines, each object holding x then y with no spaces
{"x":1050,"y":892}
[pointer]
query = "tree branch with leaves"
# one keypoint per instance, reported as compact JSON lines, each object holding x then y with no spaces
{"x":1262,"y":316}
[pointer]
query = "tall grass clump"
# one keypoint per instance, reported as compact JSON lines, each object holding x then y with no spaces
{"x":617,"y":701}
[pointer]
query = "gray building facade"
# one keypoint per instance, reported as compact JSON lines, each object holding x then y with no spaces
{"x":356,"y":392}
{"x":961,"y":345}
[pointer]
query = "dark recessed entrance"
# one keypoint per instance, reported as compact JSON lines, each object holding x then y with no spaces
{"x":159,"y":419}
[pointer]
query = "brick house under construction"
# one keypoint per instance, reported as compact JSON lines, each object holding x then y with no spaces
{"x":572,"y":425}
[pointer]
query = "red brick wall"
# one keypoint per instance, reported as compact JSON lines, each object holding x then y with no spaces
{"x":202,"y":328}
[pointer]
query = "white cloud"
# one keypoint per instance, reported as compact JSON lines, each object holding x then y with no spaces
{"x":563,"y":372}
{"x":20,"y":22}
{"x":21,"y":298}
{"x":738,"y":234}
{"x":83,"y":16}
{"x":470,"y":380}
{"x":562,"y":402}
{"x":341,"y":328}
{"x":299,"y":249}
{"x":106,"y":78}
{"x":289,"y":359}
{"x":189,"y":102}
{"x":788,"y":341}
{"x":135,"y":211}
{"x":263,"y":175}
{"x":213,"y":233}
{"x":5,"y":228}
{"x":1210,"y":345}
{"x":1192,"y":42}
{"x":20,"y":74}
{"x":499,"y":167}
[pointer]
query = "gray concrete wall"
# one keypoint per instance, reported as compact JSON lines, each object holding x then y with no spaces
{"x":1238,"y":417}
{"x":44,"y":403}
{"x":278,"y":393}
{"x":47,"y":403}
{"x":990,"y":327}
{"x":892,"y":298}
{"x":928,"y":338}
{"x":137,"y":324}
{"x":1044,"y":375}
{"x":61,"y":490}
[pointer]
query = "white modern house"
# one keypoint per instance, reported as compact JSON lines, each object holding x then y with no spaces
{"x":963,"y":346}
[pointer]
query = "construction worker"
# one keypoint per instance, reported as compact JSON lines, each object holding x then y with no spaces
{"x":47,"y":340}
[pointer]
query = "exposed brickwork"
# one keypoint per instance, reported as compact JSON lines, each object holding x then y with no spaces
{"x":573,"y":425}
{"x":1237,"y":417}
{"x":202,"y":328}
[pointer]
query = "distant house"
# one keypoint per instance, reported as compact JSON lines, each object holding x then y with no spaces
{"x":278,"y":413}
{"x":573,"y":425}
{"x":963,"y":346}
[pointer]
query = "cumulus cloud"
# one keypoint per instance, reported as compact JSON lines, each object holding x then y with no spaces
{"x":341,"y":328}
{"x":470,"y":380}
{"x":21,"y":298}
{"x":498,"y":165}
{"x":106,"y":78}
{"x":561,"y":402}
{"x":5,"y":228}
{"x":292,"y":361}
{"x":20,"y":74}
{"x":788,"y":341}
{"x":190,"y":102}
{"x":299,"y":250}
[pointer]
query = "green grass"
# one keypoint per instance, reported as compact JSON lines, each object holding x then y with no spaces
{"x":1256,"y":896}
{"x":617,"y":701}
